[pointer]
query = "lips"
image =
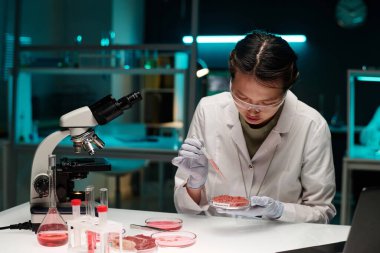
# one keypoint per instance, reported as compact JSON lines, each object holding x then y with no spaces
{"x":253,"y":118}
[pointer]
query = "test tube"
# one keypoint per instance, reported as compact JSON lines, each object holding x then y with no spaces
{"x":90,"y":201}
{"x":102,"y":213}
{"x":104,"y":197}
{"x":90,"y":213}
{"x":75,"y":205}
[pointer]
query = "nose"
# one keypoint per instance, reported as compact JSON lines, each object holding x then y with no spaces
{"x":254,"y":109}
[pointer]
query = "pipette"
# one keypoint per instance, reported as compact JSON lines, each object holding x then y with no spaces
{"x":212,"y":162}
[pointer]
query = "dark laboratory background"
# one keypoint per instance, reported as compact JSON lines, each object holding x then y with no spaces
{"x":66,"y":58}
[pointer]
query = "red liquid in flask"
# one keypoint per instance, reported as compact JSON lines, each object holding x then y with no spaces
{"x":52,"y":235}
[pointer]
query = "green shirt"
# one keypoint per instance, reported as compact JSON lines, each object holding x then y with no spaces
{"x":254,"y":136}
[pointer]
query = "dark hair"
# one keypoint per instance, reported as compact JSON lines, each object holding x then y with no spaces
{"x":266,"y":56}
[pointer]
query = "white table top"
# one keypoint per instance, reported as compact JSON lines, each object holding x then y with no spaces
{"x":214,"y":234}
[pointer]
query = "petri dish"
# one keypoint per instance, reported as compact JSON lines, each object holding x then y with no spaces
{"x":134,"y":243}
{"x":169,"y":224}
{"x":230,"y":202}
{"x":178,"y":239}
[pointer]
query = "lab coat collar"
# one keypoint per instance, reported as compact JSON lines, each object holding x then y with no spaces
{"x":287,"y":115}
{"x":232,"y":120}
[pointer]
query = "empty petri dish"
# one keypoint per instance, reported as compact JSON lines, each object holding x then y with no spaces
{"x":229,"y":202}
{"x":164,"y":223}
{"x":179,"y":239}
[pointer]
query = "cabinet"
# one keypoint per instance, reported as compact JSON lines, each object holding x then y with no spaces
{"x":65,"y":85}
{"x":46,"y":88}
{"x":68,"y":77}
{"x":363,"y":88}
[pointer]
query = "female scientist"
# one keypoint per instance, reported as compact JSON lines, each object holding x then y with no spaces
{"x":271,"y":148}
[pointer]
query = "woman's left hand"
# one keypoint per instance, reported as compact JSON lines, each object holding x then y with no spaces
{"x":260,"y":206}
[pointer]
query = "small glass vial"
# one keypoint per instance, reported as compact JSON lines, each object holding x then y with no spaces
{"x":103,"y":196}
{"x":102,"y":213}
{"x":75,"y":205}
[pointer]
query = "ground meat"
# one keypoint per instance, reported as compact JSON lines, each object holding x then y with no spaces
{"x":137,"y":242}
{"x":232,"y":201}
{"x":142,"y":241}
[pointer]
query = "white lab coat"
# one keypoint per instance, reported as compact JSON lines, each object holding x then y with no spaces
{"x":294,"y":164}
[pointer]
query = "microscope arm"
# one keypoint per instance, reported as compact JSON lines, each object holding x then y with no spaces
{"x":40,"y":162}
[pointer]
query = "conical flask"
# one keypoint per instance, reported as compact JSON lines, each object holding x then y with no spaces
{"x":53,"y":229}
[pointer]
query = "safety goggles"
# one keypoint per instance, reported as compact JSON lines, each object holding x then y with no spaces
{"x":257,"y":108}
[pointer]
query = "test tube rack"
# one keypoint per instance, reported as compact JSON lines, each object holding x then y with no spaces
{"x":86,"y":234}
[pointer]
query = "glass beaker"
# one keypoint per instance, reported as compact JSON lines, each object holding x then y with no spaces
{"x":53,"y":230}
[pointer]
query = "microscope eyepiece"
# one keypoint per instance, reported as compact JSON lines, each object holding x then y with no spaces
{"x":127,"y":101}
{"x":108,"y":108}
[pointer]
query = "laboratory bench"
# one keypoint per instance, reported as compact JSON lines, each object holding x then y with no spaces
{"x":214,"y":234}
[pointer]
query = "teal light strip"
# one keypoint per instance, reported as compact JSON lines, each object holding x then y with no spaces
{"x":368,"y":78}
{"x":234,"y":39}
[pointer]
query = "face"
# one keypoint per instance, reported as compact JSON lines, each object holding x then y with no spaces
{"x":256,"y":102}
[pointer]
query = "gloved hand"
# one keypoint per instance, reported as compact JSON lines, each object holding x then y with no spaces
{"x":191,"y":159}
{"x":260,"y":206}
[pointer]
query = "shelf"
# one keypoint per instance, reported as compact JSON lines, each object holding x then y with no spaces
{"x":174,"y":124}
{"x":343,"y":129}
{"x":156,"y":47}
{"x":161,"y":90}
{"x":102,"y":71}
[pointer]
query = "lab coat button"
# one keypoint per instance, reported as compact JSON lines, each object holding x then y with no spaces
{"x":250,"y":166}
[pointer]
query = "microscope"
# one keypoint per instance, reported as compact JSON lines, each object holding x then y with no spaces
{"x":80,"y":125}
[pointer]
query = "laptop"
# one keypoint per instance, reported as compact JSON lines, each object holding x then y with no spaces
{"x":363,"y":236}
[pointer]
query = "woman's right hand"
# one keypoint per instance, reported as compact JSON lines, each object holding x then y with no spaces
{"x":191,"y":159}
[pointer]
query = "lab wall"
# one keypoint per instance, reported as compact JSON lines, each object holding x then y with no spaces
{"x":329,"y":51}
{"x":323,"y":60}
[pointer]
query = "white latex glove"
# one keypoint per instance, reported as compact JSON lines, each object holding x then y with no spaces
{"x":260,"y":206}
{"x":191,"y":158}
